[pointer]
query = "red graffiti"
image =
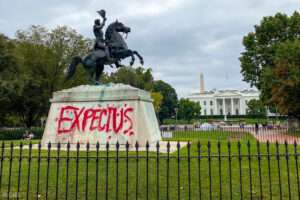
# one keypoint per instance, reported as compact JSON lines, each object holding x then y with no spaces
{"x":101,"y":119}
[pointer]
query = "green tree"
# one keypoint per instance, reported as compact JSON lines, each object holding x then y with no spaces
{"x":169,"y":102}
{"x":256,"y":107}
{"x":7,"y":72}
{"x":286,"y":89}
{"x":265,"y":57}
{"x":188,"y":110}
{"x":7,"y":57}
{"x":157,"y":101}
{"x":136,"y":77}
{"x":40,"y":57}
{"x":61,"y":44}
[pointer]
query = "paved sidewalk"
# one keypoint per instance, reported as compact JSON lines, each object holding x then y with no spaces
{"x":275,"y":135}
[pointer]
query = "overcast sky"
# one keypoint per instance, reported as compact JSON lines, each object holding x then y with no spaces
{"x":178,"y":39}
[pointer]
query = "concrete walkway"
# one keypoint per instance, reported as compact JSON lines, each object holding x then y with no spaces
{"x":275,"y":135}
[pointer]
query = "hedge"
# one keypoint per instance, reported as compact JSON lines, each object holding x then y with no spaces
{"x":17,"y":133}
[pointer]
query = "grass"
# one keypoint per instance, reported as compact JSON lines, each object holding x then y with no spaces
{"x":114,"y":170}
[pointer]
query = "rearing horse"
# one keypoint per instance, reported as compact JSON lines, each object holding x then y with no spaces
{"x":94,"y":61}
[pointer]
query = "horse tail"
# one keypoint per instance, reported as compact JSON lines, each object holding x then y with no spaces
{"x":72,"y":67}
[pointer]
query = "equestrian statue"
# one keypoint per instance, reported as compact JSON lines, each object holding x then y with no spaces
{"x":108,"y":49}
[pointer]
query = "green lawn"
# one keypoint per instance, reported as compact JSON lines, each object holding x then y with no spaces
{"x":114,"y":170}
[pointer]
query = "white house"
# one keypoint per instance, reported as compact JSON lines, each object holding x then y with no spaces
{"x":223,"y":102}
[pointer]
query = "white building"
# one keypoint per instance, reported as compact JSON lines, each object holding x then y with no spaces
{"x":223,"y":102}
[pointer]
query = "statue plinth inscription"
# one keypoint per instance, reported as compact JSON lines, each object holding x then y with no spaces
{"x":106,"y":113}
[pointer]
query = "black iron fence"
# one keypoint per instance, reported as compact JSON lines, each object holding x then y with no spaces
{"x":166,"y":170}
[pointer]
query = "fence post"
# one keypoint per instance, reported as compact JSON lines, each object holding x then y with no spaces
{"x":297,"y":171}
{"x":178,"y":169}
{"x":250,"y":168}
{"x":38,"y":172}
{"x":127,"y":149}
{"x":147,"y":170}
{"x":199,"y":169}
{"x":87,"y":170}
{"x":157,"y":170}
{"x":240,"y":170}
{"x":106,"y":174}
{"x":278,"y":166}
{"x":220,"y":169}
{"x":137,"y":170}
{"x":97,"y":168}
{"x":67,"y":169}
{"x":2,"y":160}
{"x":20,"y":169}
{"x":117,"y":169}
{"x":28,"y":172}
{"x":168,"y":168}
{"x":259,"y":168}
{"x":269,"y":169}
{"x":47,"y":170}
{"x":77,"y":166}
{"x":230,"y":171}
{"x":10,"y":167}
{"x":57,"y":170}
{"x":189,"y":167}
{"x":287,"y":168}
{"x":209,"y":169}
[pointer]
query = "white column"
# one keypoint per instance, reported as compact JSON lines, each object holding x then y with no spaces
{"x":215,"y":107}
{"x":224,"y":111}
{"x":239,"y":105}
{"x":232,"y":113}
{"x":242,"y":106}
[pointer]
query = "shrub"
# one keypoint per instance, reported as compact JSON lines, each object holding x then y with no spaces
{"x":17,"y":133}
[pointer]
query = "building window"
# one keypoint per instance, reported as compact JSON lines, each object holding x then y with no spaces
{"x":211,"y":112}
{"x":221,"y":111}
{"x":237,"y":112}
{"x":204,"y":103}
{"x":204,"y":111}
{"x":211,"y":103}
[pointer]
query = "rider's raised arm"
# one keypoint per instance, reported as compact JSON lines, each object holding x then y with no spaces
{"x":103,"y":23}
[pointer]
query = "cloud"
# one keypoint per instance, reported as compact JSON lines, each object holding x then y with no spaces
{"x":179,"y":39}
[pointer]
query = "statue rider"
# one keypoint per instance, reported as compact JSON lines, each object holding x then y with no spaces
{"x":98,"y":32}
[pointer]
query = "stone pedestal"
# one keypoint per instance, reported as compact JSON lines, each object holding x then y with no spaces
{"x":102,"y":113}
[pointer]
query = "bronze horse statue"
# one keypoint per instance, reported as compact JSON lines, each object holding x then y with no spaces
{"x":95,"y":60}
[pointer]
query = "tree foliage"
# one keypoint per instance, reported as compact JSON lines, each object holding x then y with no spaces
{"x":137,"y":77}
{"x":188,"y":110}
{"x":38,"y":59}
{"x":265,"y":57}
{"x":169,"y":102}
{"x":7,"y":71}
{"x":286,"y":89}
{"x":256,"y":108}
{"x":157,"y":101}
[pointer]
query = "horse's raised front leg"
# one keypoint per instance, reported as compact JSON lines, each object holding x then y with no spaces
{"x":132,"y":58}
{"x":124,"y":54}
{"x":139,"y":56}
